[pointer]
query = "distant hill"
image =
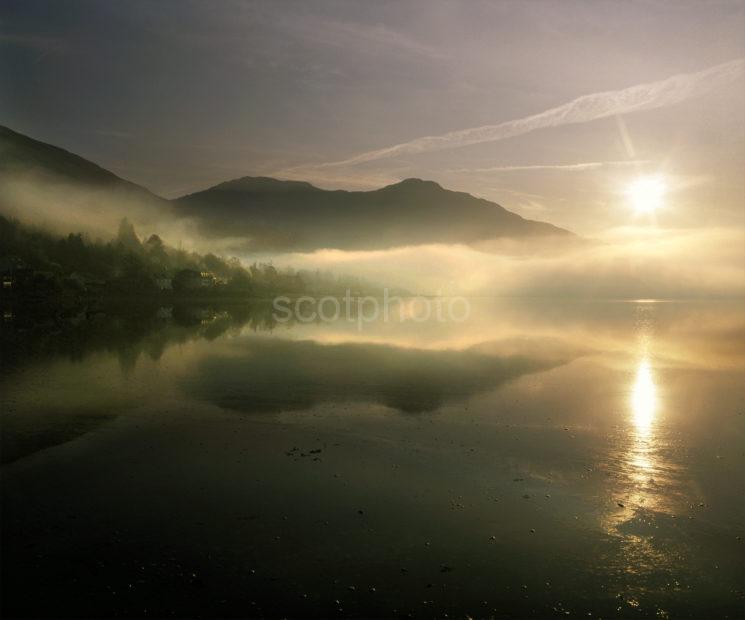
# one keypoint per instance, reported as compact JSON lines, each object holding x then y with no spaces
{"x":292,"y":215}
{"x":44,"y":184}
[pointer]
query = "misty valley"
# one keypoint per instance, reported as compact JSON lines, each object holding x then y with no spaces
{"x":344,"y":309}
{"x":497,"y":418}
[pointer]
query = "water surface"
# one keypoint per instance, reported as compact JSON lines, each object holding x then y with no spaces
{"x":540,"y":458}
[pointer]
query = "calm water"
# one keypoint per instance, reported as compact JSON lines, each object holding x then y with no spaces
{"x":540,"y":459}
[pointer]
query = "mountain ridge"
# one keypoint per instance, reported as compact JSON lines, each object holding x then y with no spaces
{"x":295,"y":215}
{"x":20,"y":150}
{"x":47,"y":185}
{"x":256,"y":213}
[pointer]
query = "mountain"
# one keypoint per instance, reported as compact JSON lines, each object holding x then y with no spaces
{"x":21,"y":154}
{"x":44,"y":184}
{"x":294,"y":215}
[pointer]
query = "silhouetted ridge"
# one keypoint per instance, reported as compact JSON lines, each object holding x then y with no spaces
{"x":268,"y":214}
{"x":293,"y":215}
{"x":264,"y":184}
{"x":45,"y":184}
{"x":20,"y":153}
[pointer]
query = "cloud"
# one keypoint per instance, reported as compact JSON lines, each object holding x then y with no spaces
{"x":334,"y":178}
{"x":649,"y":96}
{"x":355,"y":38}
{"x":579,"y":167}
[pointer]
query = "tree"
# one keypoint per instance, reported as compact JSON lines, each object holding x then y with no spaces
{"x":156,"y":250}
{"x":127,"y":236}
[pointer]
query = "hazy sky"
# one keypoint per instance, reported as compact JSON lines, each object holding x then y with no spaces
{"x":178,"y":96}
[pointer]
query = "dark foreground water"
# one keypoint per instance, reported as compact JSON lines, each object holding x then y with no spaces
{"x":540,"y":459}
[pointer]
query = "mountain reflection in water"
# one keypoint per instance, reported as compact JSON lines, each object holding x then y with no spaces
{"x":563,"y":456}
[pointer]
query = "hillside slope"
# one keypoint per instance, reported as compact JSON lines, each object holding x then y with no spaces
{"x":292,"y":215}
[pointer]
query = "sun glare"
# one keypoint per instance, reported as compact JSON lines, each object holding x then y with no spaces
{"x":644,"y":397}
{"x":646,"y":193}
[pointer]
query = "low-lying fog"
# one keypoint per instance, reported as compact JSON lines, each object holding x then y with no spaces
{"x":628,"y":263}
{"x":625,"y":263}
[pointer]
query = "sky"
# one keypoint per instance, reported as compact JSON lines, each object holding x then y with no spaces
{"x":550,"y":109}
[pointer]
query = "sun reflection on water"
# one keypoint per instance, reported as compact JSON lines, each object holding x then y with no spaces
{"x":644,"y":398}
{"x":641,"y":455}
{"x":641,"y":447}
{"x":645,"y":482}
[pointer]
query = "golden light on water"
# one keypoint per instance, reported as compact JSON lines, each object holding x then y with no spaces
{"x":644,"y":397}
{"x":646,"y":194}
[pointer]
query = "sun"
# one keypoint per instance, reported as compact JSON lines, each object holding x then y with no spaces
{"x":646,"y":194}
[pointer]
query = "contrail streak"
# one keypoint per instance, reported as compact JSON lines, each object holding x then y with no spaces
{"x":580,"y":167}
{"x":586,"y":108}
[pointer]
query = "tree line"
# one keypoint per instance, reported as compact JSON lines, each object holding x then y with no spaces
{"x":128,"y":263}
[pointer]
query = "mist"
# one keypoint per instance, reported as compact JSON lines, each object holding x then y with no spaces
{"x":626,"y":263}
{"x":622,"y":263}
{"x":63,"y":207}
{"x":325,"y":309}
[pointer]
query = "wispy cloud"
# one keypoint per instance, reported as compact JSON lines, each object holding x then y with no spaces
{"x":335,"y":179}
{"x":579,"y":167}
{"x":648,"y":96}
{"x":355,"y":38}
